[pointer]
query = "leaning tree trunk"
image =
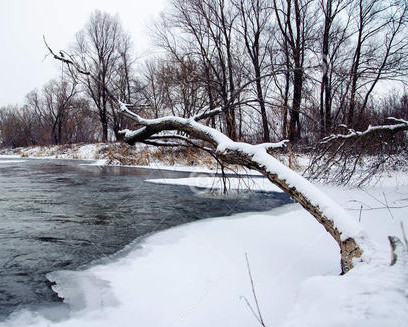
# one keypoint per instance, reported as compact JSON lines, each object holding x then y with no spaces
{"x":349,"y":249}
{"x":346,"y":231}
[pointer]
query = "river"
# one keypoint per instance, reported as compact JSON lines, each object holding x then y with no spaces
{"x":64,"y":214}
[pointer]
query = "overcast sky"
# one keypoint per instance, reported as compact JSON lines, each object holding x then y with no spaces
{"x":24,"y":22}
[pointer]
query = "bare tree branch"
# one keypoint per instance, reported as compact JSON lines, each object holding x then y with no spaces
{"x":62,"y":58}
{"x":352,"y":134}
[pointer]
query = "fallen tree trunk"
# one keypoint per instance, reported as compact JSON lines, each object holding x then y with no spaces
{"x":346,"y":231}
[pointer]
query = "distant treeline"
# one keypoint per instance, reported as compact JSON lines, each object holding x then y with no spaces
{"x":281,"y":69}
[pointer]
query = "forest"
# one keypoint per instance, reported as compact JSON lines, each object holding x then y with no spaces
{"x":280,"y":69}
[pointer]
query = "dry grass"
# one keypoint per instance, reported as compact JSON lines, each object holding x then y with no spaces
{"x":123,"y":154}
{"x":184,"y":156}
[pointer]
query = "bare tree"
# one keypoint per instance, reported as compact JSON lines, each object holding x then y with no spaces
{"x":380,"y":50}
{"x":200,"y":37}
{"x":205,"y":29}
{"x":13,"y":130}
{"x":160,"y":132}
{"x":58,"y":100}
{"x":295,"y":19}
{"x":255,"y":17}
{"x":254,"y":59}
{"x":125,"y":84}
{"x":20,"y":127}
{"x":335,"y":36}
{"x":280,"y":61}
{"x":253,"y":157}
{"x":102,"y":48}
{"x":35,"y":104}
{"x":154,"y":97}
{"x":184,"y":92}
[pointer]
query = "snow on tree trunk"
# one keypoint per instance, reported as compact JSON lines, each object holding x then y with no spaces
{"x":346,"y":231}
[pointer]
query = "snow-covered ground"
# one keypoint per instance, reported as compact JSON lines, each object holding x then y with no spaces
{"x":200,"y":183}
{"x":197,"y":274}
{"x":75,"y":151}
{"x":101,"y":154}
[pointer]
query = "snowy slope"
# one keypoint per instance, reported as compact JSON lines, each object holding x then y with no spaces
{"x":196,"y":274}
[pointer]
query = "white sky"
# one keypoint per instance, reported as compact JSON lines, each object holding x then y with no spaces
{"x":24,"y":22}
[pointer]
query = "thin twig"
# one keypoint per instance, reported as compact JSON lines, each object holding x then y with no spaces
{"x":404,"y":235}
{"x":257,"y":315}
{"x":388,"y":207}
{"x":378,"y":208}
{"x":359,"y":217}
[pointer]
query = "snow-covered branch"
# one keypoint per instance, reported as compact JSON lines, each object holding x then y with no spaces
{"x":402,"y":125}
{"x":335,"y":220}
{"x":358,"y":156}
{"x":208,"y":114}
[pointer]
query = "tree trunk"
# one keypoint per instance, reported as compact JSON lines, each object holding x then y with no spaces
{"x":325,"y":110}
{"x":257,"y":157}
{"x":265,"y":127}
{"x":286,"y":93}
{"x":104,"y":123}
{"x":230,"y":119}
{"x":354,"y":72}
{"x":294,"y":124}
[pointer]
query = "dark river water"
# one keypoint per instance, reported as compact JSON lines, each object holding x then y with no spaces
{"x":61,"y":214}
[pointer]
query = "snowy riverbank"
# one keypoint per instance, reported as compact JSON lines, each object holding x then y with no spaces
{"x":139,"y":155}
{"x":196,"y":274}
{"x":117,"y":154}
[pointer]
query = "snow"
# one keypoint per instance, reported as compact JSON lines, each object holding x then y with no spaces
{"x":365,"y":297}
{"x":99,"y":162}
{"x":177,"y":167}
{"x":374,"y":293}
{"x":75,"y":151}
{"x":88,"y":151}
{"x":196,"y":274}
{"x":9,"y":156}
{"x":10,"y":161}
{"x":96,"y":153}
{"x":199,"y":181}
